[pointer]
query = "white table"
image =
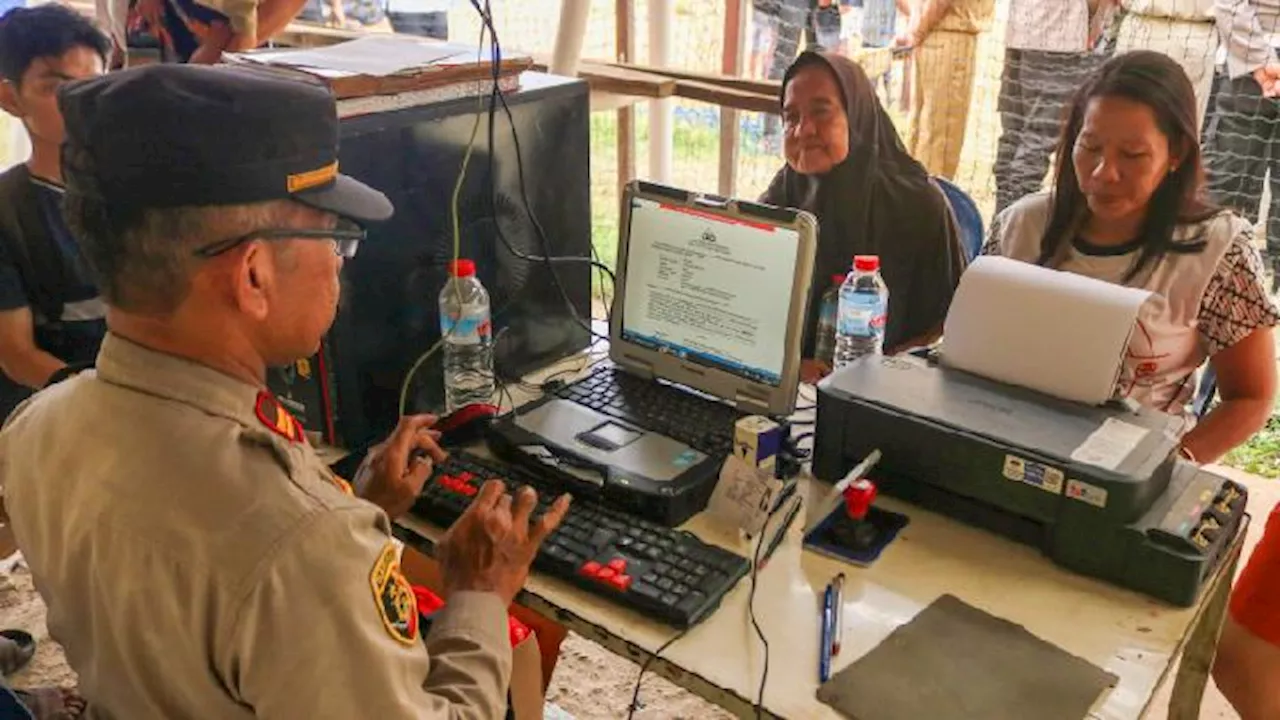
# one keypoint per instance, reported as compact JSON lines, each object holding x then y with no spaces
{"x":1135,"y":637}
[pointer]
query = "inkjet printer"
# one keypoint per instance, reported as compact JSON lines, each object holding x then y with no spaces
{"x":1101,"y":489}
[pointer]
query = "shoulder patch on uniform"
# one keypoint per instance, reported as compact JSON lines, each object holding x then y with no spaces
{"x":397,"y":605}
{"x":277,"y":419}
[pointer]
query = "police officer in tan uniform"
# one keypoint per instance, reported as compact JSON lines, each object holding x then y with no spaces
{"x":197,"y":559}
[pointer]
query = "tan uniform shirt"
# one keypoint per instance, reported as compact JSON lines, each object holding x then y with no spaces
{"x":969,"y":16}
{"x":199,"y":561}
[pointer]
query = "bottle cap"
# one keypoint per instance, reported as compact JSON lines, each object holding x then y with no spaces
{"x":462,"y":267}
{"x":866,"y":263}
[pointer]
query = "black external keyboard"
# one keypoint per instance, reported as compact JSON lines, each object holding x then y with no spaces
{"x":702,"y":424}
{"x":663,"y":573}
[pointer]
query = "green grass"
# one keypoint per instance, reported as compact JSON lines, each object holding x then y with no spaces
{"x":1261,"y":454}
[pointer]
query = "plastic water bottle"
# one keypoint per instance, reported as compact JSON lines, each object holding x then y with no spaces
{"x":863,"y":310}
{"x":824,"y":348}
{"x":468,"y":338}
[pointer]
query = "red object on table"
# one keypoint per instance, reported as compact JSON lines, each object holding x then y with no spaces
{"x":429,"y":602}
{"x":858,"y":498}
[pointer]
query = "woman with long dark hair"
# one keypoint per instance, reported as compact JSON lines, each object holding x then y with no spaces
{"x":846,"y":164}
{"x":1128,"y":206}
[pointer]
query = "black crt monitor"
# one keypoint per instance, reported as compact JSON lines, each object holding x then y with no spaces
{"x":389,"y":315}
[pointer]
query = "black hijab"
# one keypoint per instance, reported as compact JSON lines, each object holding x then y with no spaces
{"x":878,"y":201}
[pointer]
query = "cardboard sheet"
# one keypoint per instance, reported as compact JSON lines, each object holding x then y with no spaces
{"x":956,"y":662}
{"x":1056,"y":332}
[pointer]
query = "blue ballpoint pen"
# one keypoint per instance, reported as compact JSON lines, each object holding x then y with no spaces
{"x":828,"y":628}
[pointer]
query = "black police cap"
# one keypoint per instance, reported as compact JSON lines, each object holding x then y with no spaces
{"x":175,"y":135}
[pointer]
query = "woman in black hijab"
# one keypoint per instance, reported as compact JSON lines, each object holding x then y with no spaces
{"x":846,"y":165}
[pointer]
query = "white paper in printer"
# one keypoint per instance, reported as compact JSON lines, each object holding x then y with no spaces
{"x":1056,"y":332}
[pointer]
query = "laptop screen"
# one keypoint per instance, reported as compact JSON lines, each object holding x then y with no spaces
{"x":711,"y":290}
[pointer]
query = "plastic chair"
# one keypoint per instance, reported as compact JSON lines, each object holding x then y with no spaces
{"x":967,"y":217}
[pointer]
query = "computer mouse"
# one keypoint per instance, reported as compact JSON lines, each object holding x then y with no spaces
{"x":466,"y":425}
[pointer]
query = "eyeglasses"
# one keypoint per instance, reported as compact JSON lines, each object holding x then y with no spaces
{"x":346,"y":237}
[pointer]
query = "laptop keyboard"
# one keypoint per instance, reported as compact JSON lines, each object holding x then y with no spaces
{"x":665,"y":574}
{"x":702,"y":424}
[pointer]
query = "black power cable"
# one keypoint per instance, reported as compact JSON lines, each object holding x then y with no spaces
{"x":751,"y":611}
{"x":496,"y":97}
{"x":635,"y":695}
{"x":755,"y":624}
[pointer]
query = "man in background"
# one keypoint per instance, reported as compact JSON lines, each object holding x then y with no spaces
{"x":879,"y":20}
{"x":943,"y":35}
{"x":764,"y":33}
{"x":827,"y":18}
{"x":792,"y":21}
{"x":1242,"y":139}
{"x":878,"y":28}
{"x":1048,"y":55}
{"x":1182,"y":29}
{"x":51,"y":315}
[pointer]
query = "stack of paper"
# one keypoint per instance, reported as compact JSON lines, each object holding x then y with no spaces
{"x":1056,"y":332}
{"x":386,"y":64}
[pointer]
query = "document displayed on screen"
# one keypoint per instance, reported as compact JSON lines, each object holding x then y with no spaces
{"x":712,"y":290}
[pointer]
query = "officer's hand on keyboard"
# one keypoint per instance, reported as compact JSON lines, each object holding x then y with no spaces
{"x":664,"y":573}
{"x":490,"y":547}
{"x":393,"y":472}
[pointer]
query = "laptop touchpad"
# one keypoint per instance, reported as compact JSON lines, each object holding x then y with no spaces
{"x":610,"y":436}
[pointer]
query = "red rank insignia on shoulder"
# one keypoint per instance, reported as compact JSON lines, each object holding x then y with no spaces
{"x":277,"y":419}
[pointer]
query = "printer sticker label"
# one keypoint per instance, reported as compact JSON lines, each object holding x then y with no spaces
{"x":1015,"y":468}
{"x":1046,"y":478}
{"x":1085,"y":492}
{"x":1109,"y":445}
